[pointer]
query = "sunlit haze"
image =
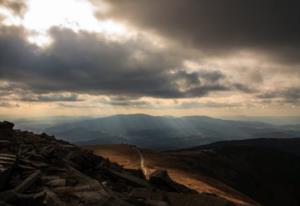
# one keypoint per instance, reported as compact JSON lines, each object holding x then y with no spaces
{"x":41,"y":15}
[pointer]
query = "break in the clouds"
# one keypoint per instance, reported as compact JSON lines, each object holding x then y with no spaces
{"x":150,"y":54}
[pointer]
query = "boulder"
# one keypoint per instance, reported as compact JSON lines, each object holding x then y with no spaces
{"x":6,"y":131}
{"x":162,"y":180}
{"x":7,"y":163}
{"x":84,"y":160}
{"x":28,"y":182}
{"x":6,"y":125}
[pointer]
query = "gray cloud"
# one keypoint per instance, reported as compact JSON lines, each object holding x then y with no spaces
{"x":271,"y":26}
{"x":244,"y":88}
{"x":17,"y":6}
{"x":126,"y":102}
{"x":8,"y":105}
{"x":50,"y":98}
{"x":88,"y":63}
{"x":290,"y":95}
{"x":193,"y":104}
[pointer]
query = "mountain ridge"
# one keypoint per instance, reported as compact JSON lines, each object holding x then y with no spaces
{"x":163,"y":133}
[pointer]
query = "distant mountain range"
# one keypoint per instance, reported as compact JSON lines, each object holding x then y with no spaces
{"x":166,"y":132}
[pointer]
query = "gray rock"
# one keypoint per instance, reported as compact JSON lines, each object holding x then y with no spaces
{"x":162,"y":180}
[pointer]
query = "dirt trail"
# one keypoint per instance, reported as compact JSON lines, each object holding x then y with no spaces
{"x":142,"y":162}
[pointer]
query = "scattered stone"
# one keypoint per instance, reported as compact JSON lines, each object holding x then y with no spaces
{"x":29,"y":181}
{"x":15,"y":198}
{"x":51,"y":199}
{"x":7,"y":163}
{"x":157,"y":203}
{"x":57,"y":183}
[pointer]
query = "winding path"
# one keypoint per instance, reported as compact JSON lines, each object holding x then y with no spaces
{"x":142,"y":161}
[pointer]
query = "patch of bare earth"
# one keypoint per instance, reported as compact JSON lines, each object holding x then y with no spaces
{"x":128,"y":157}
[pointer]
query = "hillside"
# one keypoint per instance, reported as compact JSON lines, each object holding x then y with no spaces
{"x":38,"y":170}
{"x":266,"y":170}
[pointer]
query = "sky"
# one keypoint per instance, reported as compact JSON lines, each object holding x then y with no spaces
{"x":159,"y":57}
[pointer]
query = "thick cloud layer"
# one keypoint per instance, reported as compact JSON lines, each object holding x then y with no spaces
{"x":231,"y":53}
{"x":215,"y":26}
{"x":89,"y":63}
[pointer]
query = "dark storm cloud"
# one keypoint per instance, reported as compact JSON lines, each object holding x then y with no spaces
{"x":271,"y":26}
{"x":88,"y":63}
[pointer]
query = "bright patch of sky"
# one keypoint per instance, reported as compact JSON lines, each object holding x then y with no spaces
{"x":41,"y":15}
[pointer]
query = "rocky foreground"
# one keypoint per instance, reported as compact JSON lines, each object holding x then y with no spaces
{"x":40,"y":170}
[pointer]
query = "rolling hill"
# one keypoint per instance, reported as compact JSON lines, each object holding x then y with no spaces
{"x":264,"y":170}
{"x":165,"y":132}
